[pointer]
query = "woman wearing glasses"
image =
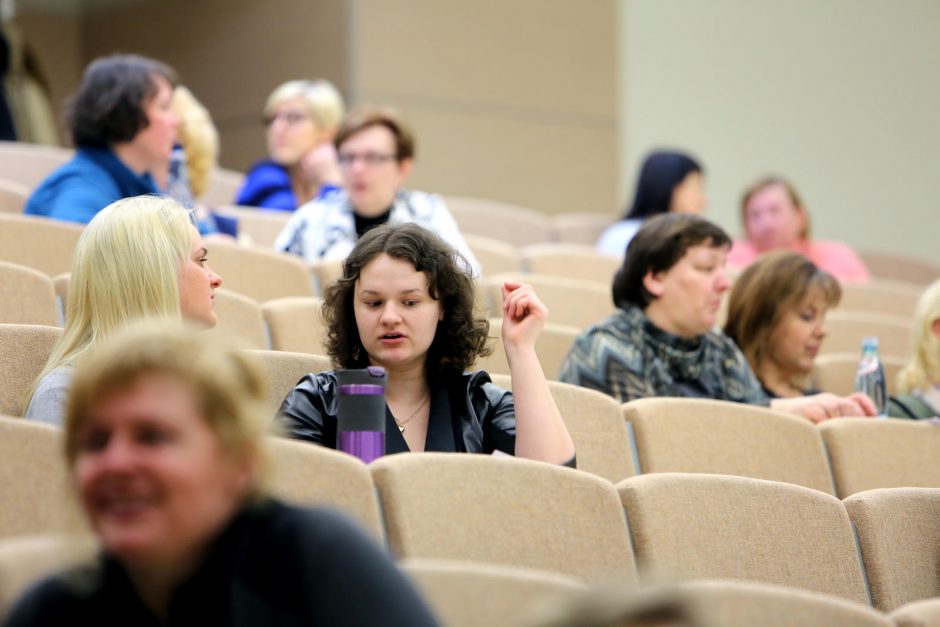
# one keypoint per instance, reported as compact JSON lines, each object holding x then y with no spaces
{"x":375,"y":151}
{"x":301,"y":119}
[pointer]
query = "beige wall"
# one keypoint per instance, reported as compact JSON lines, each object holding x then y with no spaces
{"x":841,"y":96}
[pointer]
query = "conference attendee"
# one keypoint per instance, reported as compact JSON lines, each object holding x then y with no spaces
{"x":138,"y":257}
{"x":165,"y":446}
{"x":668,"y":182}
{"x":376,"y":156}
{"x":774,"y":218}
{"x":918,"y":381}
{"x":661,"y":340}
{"x":777,"y":317}
{"x":301,"y":118}
{"x":123,"y":128}
{"x":405,"y":302}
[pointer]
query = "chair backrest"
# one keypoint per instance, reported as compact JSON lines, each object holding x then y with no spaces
{"x":34,"y":486}
{"x":595,"y":422}
{"x":284,"y":370}
{"x":296,"y":324}
{"x":899,"y":536}
{"x":13,"y":196}
{"x":24,"y":351}
{"x":917,"y":614}
{"x":720,"y":437}
{"x":504,"y":221}
{"x":240,"y":319}
{"x":883,"y":264}
{"x":326,"y":273}
{"x":495,"y":256}
{"x":260,"y":274}
{"x":835,"y":372}
{"x":503,"y":510}
{"x":223,"y":187}
{"x":259,"y":227}
{"x":574,"y":261}
{"x":307,"y":474}
{"x":572,"y":302}
{"x":469,"y":594}
{"x":692,"y":526}
{"x":40,"y":243}
{"x":847,"y":328}
{"x":884,"y":296}
{"x":27,"y":296}
{"x":60,"y":284}
{"x":29,"y":164}
{"x":580,"y":227}
{"x":866,"y":454}
{"x":552,"y":346}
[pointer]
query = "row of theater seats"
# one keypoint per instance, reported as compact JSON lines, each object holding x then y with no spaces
{"x":578,"y":527}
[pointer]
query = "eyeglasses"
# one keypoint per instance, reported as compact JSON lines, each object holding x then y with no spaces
{"x":290,"y":117}
{"x":346,"y":159}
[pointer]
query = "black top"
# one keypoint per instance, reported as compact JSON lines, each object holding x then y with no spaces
{"x":274,"y":564}
{"x":364,"y":224}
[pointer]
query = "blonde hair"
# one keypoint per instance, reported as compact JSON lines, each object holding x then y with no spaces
{"x":199,"y":138}
{"x":323,"y":101}
{"x":228,"y":387}
{"x":923,"y":370}
{"x":126,"y":266}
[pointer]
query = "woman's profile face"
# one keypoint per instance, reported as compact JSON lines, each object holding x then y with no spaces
{"x":152,"y":476}
{"x":155,"y":141}
{"x":197,"y":284}
{"x":291,"y":132}
{"x":797,"y":338}
{"x":689,"y":195}
{"x":772,"y":220}
{"x":395,"y":314}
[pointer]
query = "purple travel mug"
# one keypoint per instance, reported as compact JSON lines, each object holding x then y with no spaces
{"x":360,"y":428}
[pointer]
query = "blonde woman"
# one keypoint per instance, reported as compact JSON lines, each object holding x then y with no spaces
{"x":919,"y":381}
{"x":164,"y":441}
{"x":138,"y":257}
{"x":301,"y":118}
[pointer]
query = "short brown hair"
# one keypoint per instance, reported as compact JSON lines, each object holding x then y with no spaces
{"x":767,"y":181}
{"x":362,"y":118}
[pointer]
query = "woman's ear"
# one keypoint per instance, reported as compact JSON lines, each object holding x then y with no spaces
{"x":653,"y":283}
{"x":935,"y":328}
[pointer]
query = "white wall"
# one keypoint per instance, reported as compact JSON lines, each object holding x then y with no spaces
{"x":841,"y":96}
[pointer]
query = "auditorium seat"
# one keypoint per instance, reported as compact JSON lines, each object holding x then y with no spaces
{"x":503,"y":221}
{"x":883,"y":264}
{"x":495,"y":256}
{"x":40,"y":243}
{"x":240,"y":320}
{"x":29,"y":164}
{"x":835,"y":372}
{"x":552,"y":346}
{"x":847,"y":328}
{"x":258,"y":273}
{"x":580,"y":227}
{"x":27,"y":296}
{"x":223,"y":187}
{"x":24,"y":351}
{"x":918,"y":614}
{"x":283,"y":371}
{"x":699,"y":526}
{"x":295,"y":324}
{"x":259,"y":227}
{"x":883,"y":296}
{"x":573,"y":261}
{"x":721,"y":437}
{"x":572,"y":302}
{"x":326,"y":273}
{"x":13,"y":196}
{"x":503,"y":510}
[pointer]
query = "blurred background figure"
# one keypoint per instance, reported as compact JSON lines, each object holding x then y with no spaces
{"x":123,"y":127}
{"x":918,"y":382}
{"x":775,"y":217}
{"x":777,"y":317}
{"x":668,"y":182}
{"x":301,"y":118}
{"x":164,"y":442}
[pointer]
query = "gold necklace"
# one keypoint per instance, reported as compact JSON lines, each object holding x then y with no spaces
{"x":401,"y":425}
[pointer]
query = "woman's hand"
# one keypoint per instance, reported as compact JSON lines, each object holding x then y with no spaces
{"x":820,"y":407}
{"x":320,"y":166}
{"x":524,"y":316}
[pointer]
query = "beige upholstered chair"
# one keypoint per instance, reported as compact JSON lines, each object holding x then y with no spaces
{"x":597,"y":428}
{"x":27,"y":296}
{"x":551,"y":346}
{"x":495,"y":255}
{"x":296,"y":324}
{"x":34,"y":497}
{"x":510,"y":223}
{"x":917,"y":614}
{"x":308,"y":474}
{"x":60,"y":283}
{"x":835,"y":372}
{"x":40,"y":243}
{"x":847,"y":328}
{"x":883,"y":264}
{"x":29,"y":164}
{"x":240,"y":319}
{"x":326,"y":273}
{"x":572,"y":302}
{"x":503,"y":510}
{"x":698,"y":526}
{"x":574,"y":261}
{"x":255,"y":226}
{"x":284,"y":370}
{"x":13,"y":196}
{"x":470,"y":594}
{"x":580,"y":227}
{"x":868,"y":453}
{"x":709,"y":436}
{"x":24,"y":351}
{"x":223,"y":187}
{"x":884,"y":296}
{"x":258,"y":273}
{"x":899,"y":536}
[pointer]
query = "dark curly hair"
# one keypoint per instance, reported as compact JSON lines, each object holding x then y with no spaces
{"x":460,"y":337}
{"x":108,"y":107}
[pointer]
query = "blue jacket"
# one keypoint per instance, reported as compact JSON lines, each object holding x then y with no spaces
{"x":91,"y":181}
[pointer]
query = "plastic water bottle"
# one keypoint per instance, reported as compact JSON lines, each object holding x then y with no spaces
{"x":360,"y":417}
{"x":870,"y":376}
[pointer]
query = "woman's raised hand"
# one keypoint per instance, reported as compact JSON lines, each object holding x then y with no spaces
{"x":524,"y":315}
